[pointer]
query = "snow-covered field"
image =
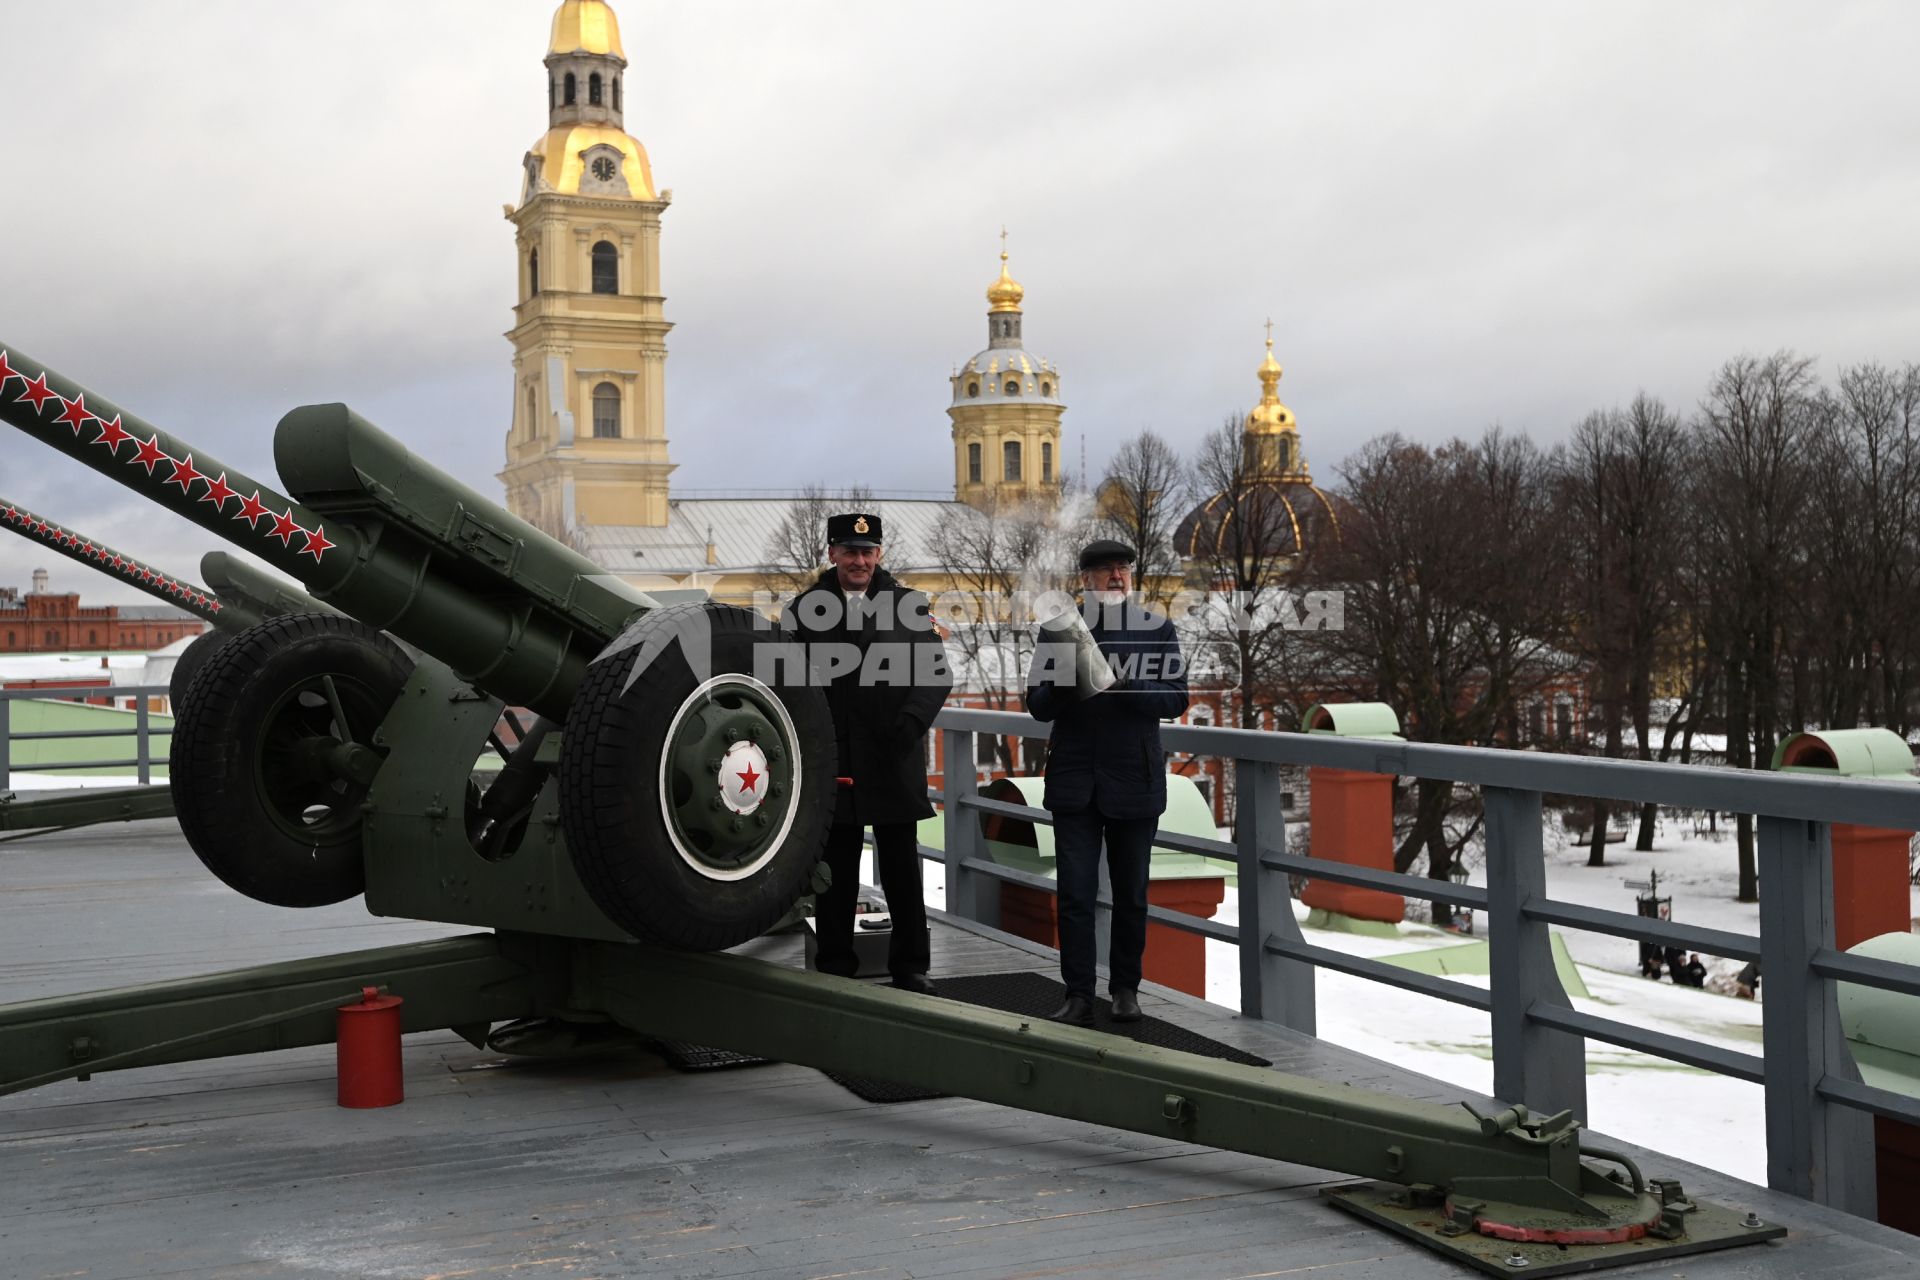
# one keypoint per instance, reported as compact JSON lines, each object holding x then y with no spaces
{"x":1693,"y":1114}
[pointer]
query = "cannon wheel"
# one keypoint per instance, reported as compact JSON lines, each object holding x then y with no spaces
{"x":192,"y":660}
{"x":272,"y":755}
{"x":695,"y":796}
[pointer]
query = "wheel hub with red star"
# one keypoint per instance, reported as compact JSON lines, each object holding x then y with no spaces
{"x":729,"y":777}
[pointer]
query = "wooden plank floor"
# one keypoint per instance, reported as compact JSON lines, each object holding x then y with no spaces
{"x":245,"y":1168}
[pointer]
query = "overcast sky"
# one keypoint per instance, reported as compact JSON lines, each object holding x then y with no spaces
{"x":1456,"y":215}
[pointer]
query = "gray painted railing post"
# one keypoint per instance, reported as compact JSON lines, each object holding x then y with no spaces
{"x":143,"y":744}
{"x":1536,"y":1065}
{"x":969,"y":894}
{"x":6,"y":742}
{"x":1274,"y":987}
{"x":1815,"y":1148}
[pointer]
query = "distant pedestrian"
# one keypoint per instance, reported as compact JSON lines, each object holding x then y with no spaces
{"x":1746,"y":984}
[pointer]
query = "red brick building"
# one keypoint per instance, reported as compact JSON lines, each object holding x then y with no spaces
{"x":41,"y":621}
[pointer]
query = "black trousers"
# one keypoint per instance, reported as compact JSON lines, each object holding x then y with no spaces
{"x":896,"y":857}
{"x":1076,"y":845}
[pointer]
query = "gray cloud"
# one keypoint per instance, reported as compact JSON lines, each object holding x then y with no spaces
{"x":1456,"y":214}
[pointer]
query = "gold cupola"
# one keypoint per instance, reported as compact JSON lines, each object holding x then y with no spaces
{"x":1005,"y":293}
{"x":586,"y":150}
{"x":1270,"y":415}
{"x":586,"y":26}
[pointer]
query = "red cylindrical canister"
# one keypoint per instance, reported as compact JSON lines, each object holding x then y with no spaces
{"x":367,"y":1037}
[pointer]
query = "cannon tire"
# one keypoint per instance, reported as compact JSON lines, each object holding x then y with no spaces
{"x":256,"y":804}
{"x":191,"y":662}
{"x":660,"y":843}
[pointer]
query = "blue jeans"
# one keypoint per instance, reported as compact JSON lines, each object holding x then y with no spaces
{"x":1076,"y":843}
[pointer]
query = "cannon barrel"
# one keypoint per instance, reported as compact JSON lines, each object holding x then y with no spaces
{"x":370,"y":529}
{"x":194,"y":599}
{"x":251,"y":593}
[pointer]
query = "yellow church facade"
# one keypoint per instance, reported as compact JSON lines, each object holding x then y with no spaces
{"x":587,"y":456}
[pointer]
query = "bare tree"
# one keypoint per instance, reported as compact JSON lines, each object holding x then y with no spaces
{"x":1451,"y":561}
{"x":1140,"y":501}
{"x":1749,"y":497}
{"x":1623,"y":480}
{"x":1251,"y":541}
{"x":797,"y":549}
{"x":997,"y":559}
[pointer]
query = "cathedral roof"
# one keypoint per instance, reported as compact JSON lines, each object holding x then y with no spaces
{"x":560,"y":152}
{"x":585,"y":26}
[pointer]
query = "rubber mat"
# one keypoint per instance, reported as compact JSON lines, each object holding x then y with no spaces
{"x":698,"y":1057}
{"x":1038,"y":995}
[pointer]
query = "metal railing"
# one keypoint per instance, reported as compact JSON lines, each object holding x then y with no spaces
{"x":1819,"y":1113}
{"x":143,"y":731}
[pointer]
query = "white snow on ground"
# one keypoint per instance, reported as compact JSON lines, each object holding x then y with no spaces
{"x":1692,"y":1114}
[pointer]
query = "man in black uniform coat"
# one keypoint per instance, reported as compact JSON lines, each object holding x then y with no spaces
{"x":1107,"y":775}
{"x":872,"y":643}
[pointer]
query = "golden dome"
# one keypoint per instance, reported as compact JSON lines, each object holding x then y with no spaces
{"x":585,"y":26}
{"x":1005,"y":293}
{"x":1270,"y":416}
{"x":561,"y":152}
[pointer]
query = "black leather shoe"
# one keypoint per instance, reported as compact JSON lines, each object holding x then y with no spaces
{"x":1126,"y":1005}
{"x":916,"y":983}
{"x":1077,"y":1012}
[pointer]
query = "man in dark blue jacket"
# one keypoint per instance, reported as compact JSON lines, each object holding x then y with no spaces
{"x":1106,"y":774}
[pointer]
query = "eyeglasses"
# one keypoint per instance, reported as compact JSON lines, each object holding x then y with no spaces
{"x":1111,"y":566}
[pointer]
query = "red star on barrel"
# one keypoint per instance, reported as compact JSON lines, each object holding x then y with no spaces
{"x":184,"y":475}
{"x":112,"y":434}
{"x":213,"y":604}
{"x":251,"y":509}
{"x":150,"y":454}
{"x":37,"y":392}
{"x":284,"y":528}
{"x":39,"y":526}
{"x":748,"y":778}
{"x":8,"y":371}
{"x":317,"y":543}
{"x":217,"y":492}
{"x":118,"y":563}
{"x":75,"y":414}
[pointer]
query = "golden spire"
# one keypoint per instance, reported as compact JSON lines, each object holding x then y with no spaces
{"x":1005,"y":293}
{"x":1279,"y":454}
{"x":585,"y":26}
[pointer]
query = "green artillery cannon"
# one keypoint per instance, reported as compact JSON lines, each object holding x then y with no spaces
{"x":316,"y":759}
{"x":280,"y":759}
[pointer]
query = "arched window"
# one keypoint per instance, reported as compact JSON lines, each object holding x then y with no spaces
{"x":606,"y":268}
{"x":566,"y":97}
{"x":1013,"y":386}
{"x":1286,"y":454}
{"x":533,"y":272}
{"x":616,"y":104}
{"x":533,"y":411}
{"x":1046,"y":462}
{"x":593,"y":89}
{"x":973,"y":463}
{"x":606,"y":412}
{"x":553,"y":94}
{"x":1010,"y":460}
{"x":973,"y":391}
{"x":1046,"y":388}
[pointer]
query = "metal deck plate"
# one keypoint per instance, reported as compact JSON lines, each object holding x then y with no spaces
{"x":1709,"y":1227}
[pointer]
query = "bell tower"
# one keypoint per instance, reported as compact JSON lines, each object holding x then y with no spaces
{"x":588,"y":444}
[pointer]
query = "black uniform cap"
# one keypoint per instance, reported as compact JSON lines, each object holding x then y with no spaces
{"x":1102,"y":550}
{"x":854,"y":529}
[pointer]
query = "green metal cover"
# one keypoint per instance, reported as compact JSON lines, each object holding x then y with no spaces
{"x":1883,"y":1027}
{"x":1851,"y":753}
{"x":1353,"y":720}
